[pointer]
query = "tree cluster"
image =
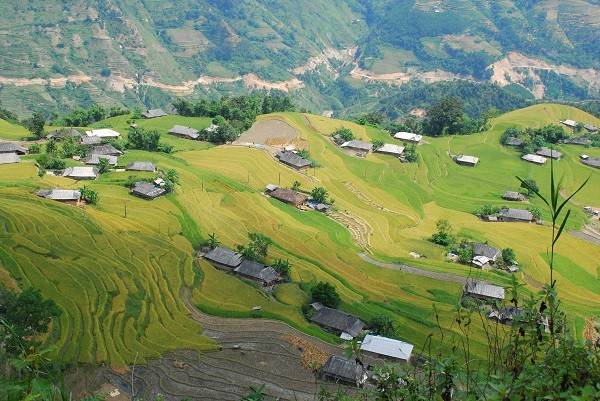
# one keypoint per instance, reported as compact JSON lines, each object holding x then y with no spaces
{"x":143,"y":139}
{"x":535,"y":138}
{"x":257,"y":248}
{"x":447,"y":117}
{"x":84,"y":117}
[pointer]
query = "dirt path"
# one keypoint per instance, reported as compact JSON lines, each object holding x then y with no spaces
{"x":414,"y":270}
{"x":364,"y":198}
{"x":360,"y":230}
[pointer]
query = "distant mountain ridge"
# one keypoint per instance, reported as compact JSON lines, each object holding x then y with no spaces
{"x":58,"y":55}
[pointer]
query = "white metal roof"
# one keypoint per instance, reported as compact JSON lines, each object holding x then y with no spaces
{"x":391,"y":148}
{"x":485,"y":289}
{"x":81,"y":172}
{"x":408,"y":136}
{"x":570,"y":123}
{"x":537,"y":159}
{"x":481,"y":260}
{"x":387,"y":347}
{"x":103,"y":133}
{"x":467,"y":159}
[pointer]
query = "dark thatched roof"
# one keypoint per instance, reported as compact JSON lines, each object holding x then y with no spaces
{"x":338,"y":321}
{"x":546,"y":152}
{"x":141,"y":166}
{"x":486,"y":250}
{"x":106,"y":149}
{"x":592,"y":162}
{"x":293,"y":160}
{"x":516,"y":214}
{"x":11,"y":147}
{"x":342,"y":369}
{"x":9,"y":158}
{"x":257,"y":271}
{"x":153,"y":113}
{"x":289,"y":196}
{"x":187,"y":132}
{"x":147,"y":190}
{"x":224,"y":256}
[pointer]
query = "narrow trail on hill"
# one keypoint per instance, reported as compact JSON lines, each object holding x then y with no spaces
{"x":414,"y":270}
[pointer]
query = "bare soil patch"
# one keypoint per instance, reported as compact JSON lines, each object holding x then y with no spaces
{"x":272,"y":132}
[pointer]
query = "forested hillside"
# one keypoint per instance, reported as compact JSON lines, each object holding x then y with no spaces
{"x":334,"y":54}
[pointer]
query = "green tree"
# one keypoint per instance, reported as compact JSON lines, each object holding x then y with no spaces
{"x":283,"y":267}
{"x":70,"y":147}
{"x":319,"y":194}
{"x":444,"y":235}
{"x":258,"y":247}
{"x":326,"y":294}
{"x":508,"y":256}
{"x":536,"y":212}
{"x":35,"y":124}
{"x":213,"y":241}
{"x":377,"y":143}
{"x":342,"y":135}
{"x":51,"y":147}
{"x":383,"y":325}
{"x":89,"y":195}
{"x":296,"y":185}
{"x":171,"y":178}
{"x":445,"y":117}
{"x":410,"y":153}
{"x":530,"y":186}
{"x":103,"y":165}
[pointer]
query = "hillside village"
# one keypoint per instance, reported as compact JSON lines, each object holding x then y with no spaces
{"x":268,"y":217}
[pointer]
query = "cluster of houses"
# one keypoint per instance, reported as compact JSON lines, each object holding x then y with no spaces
{"x":11,"y":152}
{"x":362,"y":149}
{"x":574,"y":124}
{"x":225,"y":259}
{"x":541,"y":156}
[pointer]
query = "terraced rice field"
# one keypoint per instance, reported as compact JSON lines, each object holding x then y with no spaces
{"x":118,"y":279}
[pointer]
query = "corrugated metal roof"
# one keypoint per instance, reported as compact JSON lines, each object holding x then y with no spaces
{"x":387,"y":347}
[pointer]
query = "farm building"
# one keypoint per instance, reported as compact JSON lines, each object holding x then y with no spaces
{"x":141,"y":166}
{"x":147,"y":190}
{"x":289,"y":196}
{"x":265,"y":275}
{"x":513,"y":196}
{"x":342,"y":370}
{"x":81,"y":173}
{"x":319,"y":207}
{"x":358,"y":146}
{"x":592,"y":162}
{"x":153,"y":113}
{"x":569,"y":123}
{"x":465,"y":160}
{"x":103,"y":133}
{"x":536,"y":159}
{"x":270,"y":188}
{"x":590,"y":127}
{"x":579,"y":140}
{"x":505,"y":315}
{"x":338,"y":322}
{"x":483,"y":291}
{"x":387,"y":348}
{"x":486,"y":250}
{"x":551,"y":153}
{"x":293,"y":160}
{"x":105,"y":150}
{"x":515,"y":215}
{"x":11,"y":147}
{"x":94,"y":159}
{"x":514,"y":141}
{"x":9,"y":158}
{"x":184,"y":132}
{"x":90,"y":140}
{"x":60,"y":195}
{"x":391,"y":149}
{"x":482,"y":262}
{"x":408,"y":136}
{"x":62,"y":133}
{"x":224,"y":258}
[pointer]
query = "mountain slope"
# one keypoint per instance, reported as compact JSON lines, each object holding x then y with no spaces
{"x":64,"y":54}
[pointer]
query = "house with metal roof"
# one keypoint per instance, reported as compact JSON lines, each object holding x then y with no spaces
{"x":342,"y":370}
{"x":515,"y":215}
{"x":106,"y":149}
{"x":153,"y":113}
{"x":270,"y":188}
{"x":551,"y":153}
{"x":513,"y":196}
{"x":408,"y":137}
{"x":536,"y":159}
{"x":293,"y":160}
{"x":514,"y":141}
{"x":147,"y":190}
{"x":483,"y":291}
{"x":338,"y":322}
{"x":569,"y":123}
{"x":387,"y":348}
{"x":90,"y":140}
{"x":391,"y":149}
{"x":465,"y":160}
{"x":81,"y":173}
{"x":62,"y":133}
{"x":357,"y":145}
{"x":223,"y":257}
{"x":578,"y":140}
{"x":256,"y":271}
{"x":103,"y":133}
{"x":486,"y":250}
{"x":289,"y":196}
{"x":11,"y":147}
{"x":590,"y":127}
{"x":60,"y":195}
{"x":591,"y":162}
{"x":9,"y":158}
{"x":184,"y":132}
{"x":94,"y":159}
{"x":505,"y":315}
{"x":141,"y":166}
{"x":481,"y":262}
